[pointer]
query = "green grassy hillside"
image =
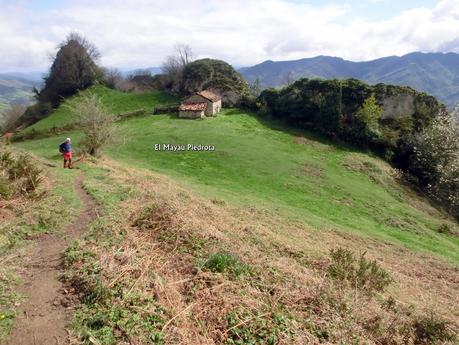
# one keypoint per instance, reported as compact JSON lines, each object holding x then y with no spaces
{"x":117,"y":102}
{"x":263,"y":165}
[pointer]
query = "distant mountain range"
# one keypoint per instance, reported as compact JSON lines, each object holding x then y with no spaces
{"x":434,"y":73}
{"x":151,"y":70}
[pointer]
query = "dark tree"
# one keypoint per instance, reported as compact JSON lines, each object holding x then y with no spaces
{"x":73,"y":69}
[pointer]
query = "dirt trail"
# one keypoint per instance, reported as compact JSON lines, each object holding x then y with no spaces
{"x":43,"y":317}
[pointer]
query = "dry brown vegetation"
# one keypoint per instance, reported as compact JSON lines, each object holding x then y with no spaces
{"x":208,"y":273}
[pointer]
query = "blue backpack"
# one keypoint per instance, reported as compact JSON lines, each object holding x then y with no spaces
{"x":62,"y":147}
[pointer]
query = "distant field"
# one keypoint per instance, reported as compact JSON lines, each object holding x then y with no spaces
{"x":117,"y":102}
{"x":15,"y":92}
{"x":263,"y":165}
{"x":3,"y":106}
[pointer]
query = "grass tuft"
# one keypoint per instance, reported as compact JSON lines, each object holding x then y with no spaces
{"x":223,"y":262}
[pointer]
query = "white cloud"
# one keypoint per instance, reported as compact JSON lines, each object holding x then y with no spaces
{"x":139,"y":33}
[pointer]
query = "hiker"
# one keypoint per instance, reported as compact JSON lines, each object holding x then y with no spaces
{"x":7,"y":137}
{"x":66,"y":149}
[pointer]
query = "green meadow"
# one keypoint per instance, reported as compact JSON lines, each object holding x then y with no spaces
{"x":260,"y":163}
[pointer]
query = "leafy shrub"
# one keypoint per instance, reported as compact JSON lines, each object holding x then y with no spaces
{"x":222,"y":262}
{"x":20,"y":171}
{"x":435,"y":160}
{"x":445,"y":229}
{"x":6,"y":159}
{"x":5,"y":189}
{"x":432,"y":330}
{"x":94,"y":120}
{"x":75,"y":253}
{"x":368,"y":117}
{"x":108,"y":323}
{"x":247,"y":328}
{"x":368,"y":276}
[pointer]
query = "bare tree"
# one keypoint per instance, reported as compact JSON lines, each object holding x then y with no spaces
{"x":184,"y":53}
{"x":94,"y":120}
{"x":175,"y":63}
{"x":112,"y":77}
{"x":173,"y":66}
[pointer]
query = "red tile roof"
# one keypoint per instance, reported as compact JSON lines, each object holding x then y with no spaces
{"x":193,"y":106}
{"x":209,"y":95}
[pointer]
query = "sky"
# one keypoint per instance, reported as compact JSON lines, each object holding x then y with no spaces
{"x":133,"y":34}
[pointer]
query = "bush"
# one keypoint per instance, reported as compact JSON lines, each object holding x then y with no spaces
{"x":367,"y":276}
{"x":445,"y":229}
{"x":255,"y":328}
{"x":21,"y":173}
{"x":368,"y":117}
{"x":435,"y":161}
{"x":5,"y":189}
{"x":432,"y":330}
{"x":222,"y":262}
{"x":94,"y":120}
{"x":6,"y":159}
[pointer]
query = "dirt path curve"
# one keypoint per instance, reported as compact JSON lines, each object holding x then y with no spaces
{"x":43,"y":318}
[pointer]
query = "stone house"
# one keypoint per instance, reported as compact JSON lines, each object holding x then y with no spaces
{"x":193,"y":110}
{"x":201,"y":104}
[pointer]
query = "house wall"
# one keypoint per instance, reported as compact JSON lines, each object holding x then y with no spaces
{"x":213,"y":108}
{"x":192,"y":114}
